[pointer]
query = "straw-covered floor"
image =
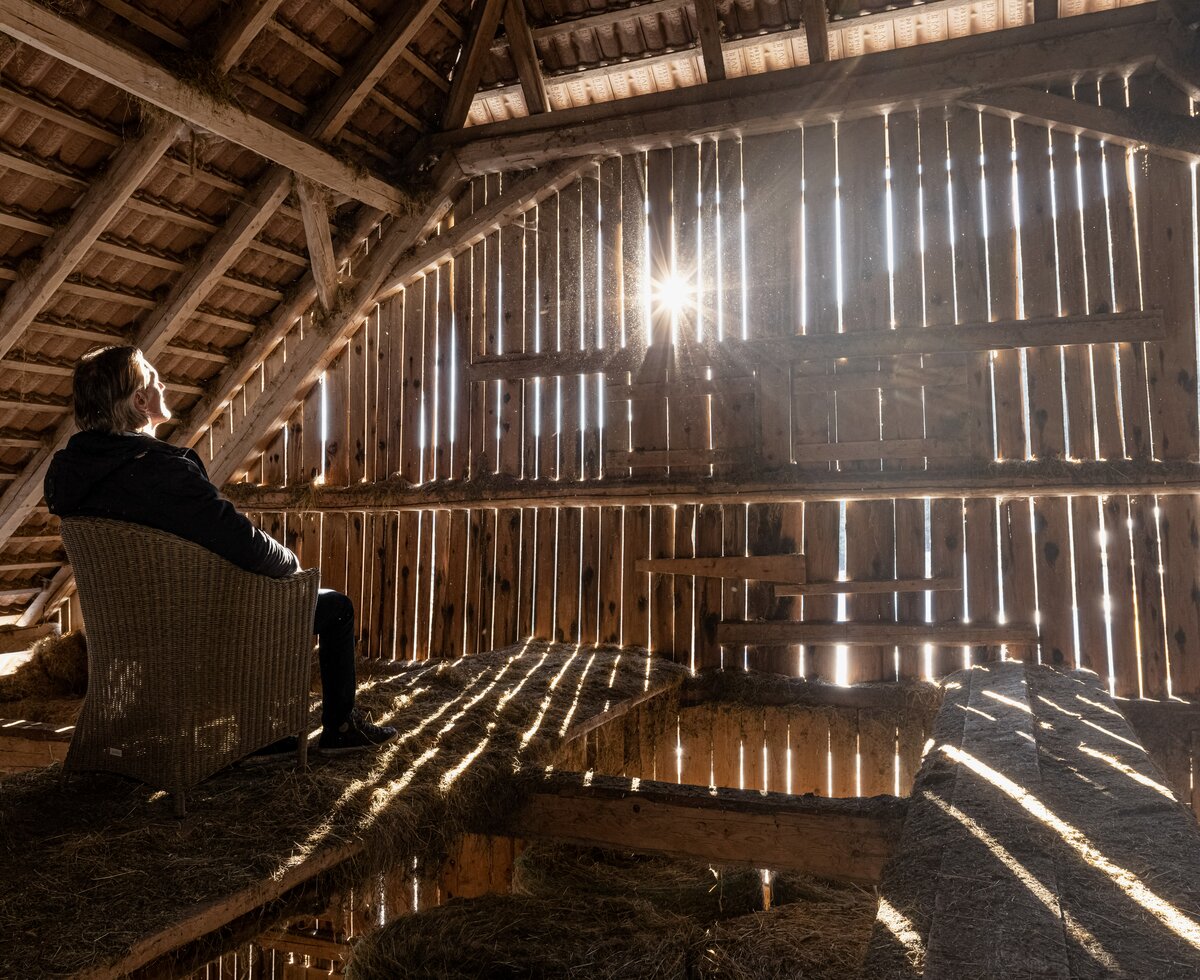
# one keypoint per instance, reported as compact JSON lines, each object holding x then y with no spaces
{"x":97,"y":865}
{"x":582,"y":913}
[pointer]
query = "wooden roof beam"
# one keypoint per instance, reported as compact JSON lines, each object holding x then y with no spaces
{"x":929,"y":74}
{"x":524,"y":54}
{"x":816,"y":29}
{"x":485,"y":18}
{"x":710,"y":39}
{"x":136,"y":73}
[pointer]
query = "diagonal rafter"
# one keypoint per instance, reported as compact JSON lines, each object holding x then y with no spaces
{"x":136,"y":73}
{"x":485,"y":18}
{"x":524,"y":55}
{"x":223,"y":249}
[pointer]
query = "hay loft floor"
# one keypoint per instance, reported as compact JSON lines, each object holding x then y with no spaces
{"x":99,"y":870}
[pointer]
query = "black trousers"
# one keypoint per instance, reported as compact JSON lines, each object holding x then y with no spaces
{"x":334,"y":626}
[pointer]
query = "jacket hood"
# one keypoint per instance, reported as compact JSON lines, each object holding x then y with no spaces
{"x":89,"y":459}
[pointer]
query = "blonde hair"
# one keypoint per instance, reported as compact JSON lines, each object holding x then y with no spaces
{"x":103,"y":387}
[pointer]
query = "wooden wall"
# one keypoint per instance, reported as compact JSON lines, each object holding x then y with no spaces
{"x":912,"y":222}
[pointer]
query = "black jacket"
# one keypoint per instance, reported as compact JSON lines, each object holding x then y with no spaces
{"x":143,"y":480}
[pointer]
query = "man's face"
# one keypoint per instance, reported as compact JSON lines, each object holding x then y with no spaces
{"x":150,"y":399}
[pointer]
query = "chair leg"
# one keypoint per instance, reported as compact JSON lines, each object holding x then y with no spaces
{"x":302,"y":747}
{"x":179,"y":800}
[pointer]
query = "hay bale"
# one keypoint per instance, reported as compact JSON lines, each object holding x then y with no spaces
{"x":821,"y":936}
{"x":56,"y":669}
{"x":691,"y":888}
{"x":519,"y":936}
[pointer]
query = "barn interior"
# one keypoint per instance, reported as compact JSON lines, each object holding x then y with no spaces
{"x":760,"y":438}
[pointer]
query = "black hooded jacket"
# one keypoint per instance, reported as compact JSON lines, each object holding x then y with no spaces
{"x":146,"y":481}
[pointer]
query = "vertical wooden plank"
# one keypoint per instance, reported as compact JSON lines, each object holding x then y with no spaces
{"x":903,"y":410}
{"x":510,"y":337}
{"x":775,"y":735}
{"x":589,"y":576}
{"x":870,"y":525}
{"x":384,"y":608}
{"x":764,"y":536}
{"x":612,"y":247}
{"x":473,"y":581}
{"x":695,"y":735}
{"x":442,"y":640}
{"x":591,"y":386}
{"x":356,"y":405}
{"x":1149,"y":591}
{"x":386,"y":389}
{"x":333,"y":552}
{"x":408,"y":526}
{"x":313,"y":449}
{"x":429,"y":377}
{"x":635,"y":588}
{"x":570,"y":336}
{"x":483,"y":435}
{"x":1056,"y":619}
{"x":684,"y":587}
{"x":708,"y":590}
{"x":808,"y":735}
{"x":727,"y":747}
{"x":507,"y":594}
{"x":354,"y":563}
{"x":732,"y":310}
{"x":456,"y":585}
{"x":527,"y":572}
{"x":611,"y":567}
{"x":546,"y":573}
{"x":548,"y":388}
{"x":1125,"y":679}
{"x":566,"y":589}
{"x":662,"y":592}
{"x":462,"y":401}
{"x":733,"y":590}
{"x":413,"y":363}
{"x":441,"y":462}
{"x":369,"y":570}
{"x":877,"y":753}
{"x":843,"y":752}
{"x":532,"y":342}
{"x":822,"y":524}
{"x":1017,"y":573}
{"x":337,"y":422}
{"x":487,"y":580}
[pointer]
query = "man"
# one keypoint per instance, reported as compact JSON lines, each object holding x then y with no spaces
{"x":114,"y":467}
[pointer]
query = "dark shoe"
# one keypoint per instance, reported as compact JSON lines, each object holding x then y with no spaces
{"x":354,"y":735}
{"x":281,"y":751}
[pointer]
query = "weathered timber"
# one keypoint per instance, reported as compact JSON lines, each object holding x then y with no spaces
{"x":314,"y":208}
{"x":1043,"y":478}
{"x":790,"y":569}
{"x":656,"y":458}
{"x":816,"y":30}
{"x":969,"y":338}
{"x":710,"y":39}
{"x":778,"y":690}
{"x":845,"y":89}
{"x":767,"y":633}
{"x":874,"y":586}
{"x":485,"y":18}
{"x":1167,"y":133}
{"x":524,"y":55}
{"x":843,"y":840}
{"x":880,"y":449}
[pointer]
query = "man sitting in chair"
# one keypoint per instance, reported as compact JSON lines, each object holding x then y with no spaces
{"x":114,"y":467}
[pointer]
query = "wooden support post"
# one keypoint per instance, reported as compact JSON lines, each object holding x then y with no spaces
{"x":314,"y":208}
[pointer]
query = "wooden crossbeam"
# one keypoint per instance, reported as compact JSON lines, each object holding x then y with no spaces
{"x":1166,"y":133}
{"x":927,"y":74}
{"x":134,"y":72}
{"x":838,"y":839}
{"x":872,"y":586}
{"x":778,"y":632}
{"x":1097,"y":328}
{"x":878,"y":449}
{"x":1034,"y":478}
{"x":655,"y":458}
{"x":524,"y":55}
{"x":786,"y":569}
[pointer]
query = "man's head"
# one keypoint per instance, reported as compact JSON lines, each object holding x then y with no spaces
{"x":117,"y":390}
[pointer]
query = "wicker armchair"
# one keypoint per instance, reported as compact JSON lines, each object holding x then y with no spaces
{"x":193,"y":663}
